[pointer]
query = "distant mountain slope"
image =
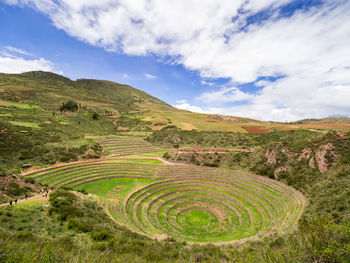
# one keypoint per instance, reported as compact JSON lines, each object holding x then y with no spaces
{"x":324,"y":120}
{"x":51,"y":90}
{"x":131,"y":109}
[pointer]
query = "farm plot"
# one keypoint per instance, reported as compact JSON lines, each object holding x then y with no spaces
{"x":123,"y":145}
{"x":190,"y":203}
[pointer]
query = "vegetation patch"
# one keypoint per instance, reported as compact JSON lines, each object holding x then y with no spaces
{"x":185,"y":202}
{"x":25,"y":124}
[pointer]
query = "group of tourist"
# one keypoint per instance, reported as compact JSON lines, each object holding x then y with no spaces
{"x":45,"y":194}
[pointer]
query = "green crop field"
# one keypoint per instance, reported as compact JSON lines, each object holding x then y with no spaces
{"x":187,"y":202}
{"x":124,"y":145}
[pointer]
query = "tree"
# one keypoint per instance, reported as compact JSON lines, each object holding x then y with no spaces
{"x":69,"y":106}
{"x":95,"y":116}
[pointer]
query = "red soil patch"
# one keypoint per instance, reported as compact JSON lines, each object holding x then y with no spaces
{"x":327,"y":126}
{"x":112,"y":117}
{"x":120,"y":128}
{"x":157,"y":128}
{"x":256,"y":129}
{"x":285,"y":127}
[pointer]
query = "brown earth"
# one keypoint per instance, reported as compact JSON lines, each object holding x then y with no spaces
{"x":305,"y":154}
{"x":256,"y":129}
{"x":156,"y":128}
{"x":321,"y":157}
{"x":187,"y":126}
{"x":271,"y":156}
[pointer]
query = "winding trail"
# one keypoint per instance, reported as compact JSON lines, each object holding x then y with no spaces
{"x":35,"y":197}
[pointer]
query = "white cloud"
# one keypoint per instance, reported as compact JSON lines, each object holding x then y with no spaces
{"x":207,"y":83}
{"x":188,"y":107}
{"x":125,"y":76}
{"x":224,"y":95}
{"x":181,"y":101}
{"x":17,"y":51}
{"x":20,"y":65}
{"x":12,"y":62}
{"x":310,"y":48}
{"x":150,"y":76}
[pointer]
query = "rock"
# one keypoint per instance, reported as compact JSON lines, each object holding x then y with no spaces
{"x":305,"y":154}
{"x":320,"y":157}
{"x":278,"y":170}
{"x":271,"y":156}
{"x":312,"y":162}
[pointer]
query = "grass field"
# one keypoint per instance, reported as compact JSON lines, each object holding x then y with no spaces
{"x":191,"y":203}
{"x":25,"y":124}
{"x":124,"y":145}
{"x":186,"y":202}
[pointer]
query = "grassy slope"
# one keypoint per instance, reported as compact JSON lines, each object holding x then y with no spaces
{"x":328,"y":192}
{"x":19,"y":97}
{"x":138,"y":108}
{"x":80,"y":230}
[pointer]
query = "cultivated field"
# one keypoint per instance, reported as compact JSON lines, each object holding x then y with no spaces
{"x":191,"y":203}
{"x":123,"y":145}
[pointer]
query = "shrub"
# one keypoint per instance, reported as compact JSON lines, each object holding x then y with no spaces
{"x":101,"y":235}
{"x":83,"y":191}
{"x":95,"y":116}
{"x":29,"y":180}
{"x":69,"y":106}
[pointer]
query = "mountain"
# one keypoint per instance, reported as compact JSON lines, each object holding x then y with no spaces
{"x":49,"y":91}
{"x":133,"y":109}
{"x":111,"y":141}
{"x":324,"y":120}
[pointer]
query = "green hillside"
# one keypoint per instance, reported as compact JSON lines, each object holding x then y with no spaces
{"x":132,"y":179}
{"x":50,"y":90}
{"x":135,"y":109}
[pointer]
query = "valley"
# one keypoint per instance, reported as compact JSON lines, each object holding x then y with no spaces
{"x":135,"y":179}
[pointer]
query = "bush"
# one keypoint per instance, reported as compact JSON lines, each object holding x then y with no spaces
{"x":324,"y":241}
{"x":101,"y":235}
{"x":83,"y":191}
{"x":69,"y":106}
{"x":95,"y":116}
{"x":62,"y":203}
{"x":79,"y":224}
{"x":29,"y":180}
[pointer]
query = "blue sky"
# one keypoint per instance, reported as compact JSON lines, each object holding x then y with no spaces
{"x":31,"y":31}
{"x":270,"y":60}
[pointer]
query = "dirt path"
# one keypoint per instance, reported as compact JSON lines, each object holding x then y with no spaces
{"x":57,"y":165}
{"x":35,"y":197}
{"x":166,"y":162}
{"x":150,"y":158}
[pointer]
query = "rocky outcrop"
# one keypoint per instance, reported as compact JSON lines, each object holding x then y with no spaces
{"x":312,"y":162}
{"x":271,"y":156}
{"x":279,"y":170}
{"x":305,"y":154}
{"x":320,"y":157}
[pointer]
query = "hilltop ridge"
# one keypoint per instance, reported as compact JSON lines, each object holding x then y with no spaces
{"x":133,"y":109}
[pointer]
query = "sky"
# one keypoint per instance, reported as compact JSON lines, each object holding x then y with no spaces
{"x":272,"y":60}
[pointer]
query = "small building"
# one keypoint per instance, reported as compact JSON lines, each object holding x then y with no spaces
{"x":26,"y":166}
